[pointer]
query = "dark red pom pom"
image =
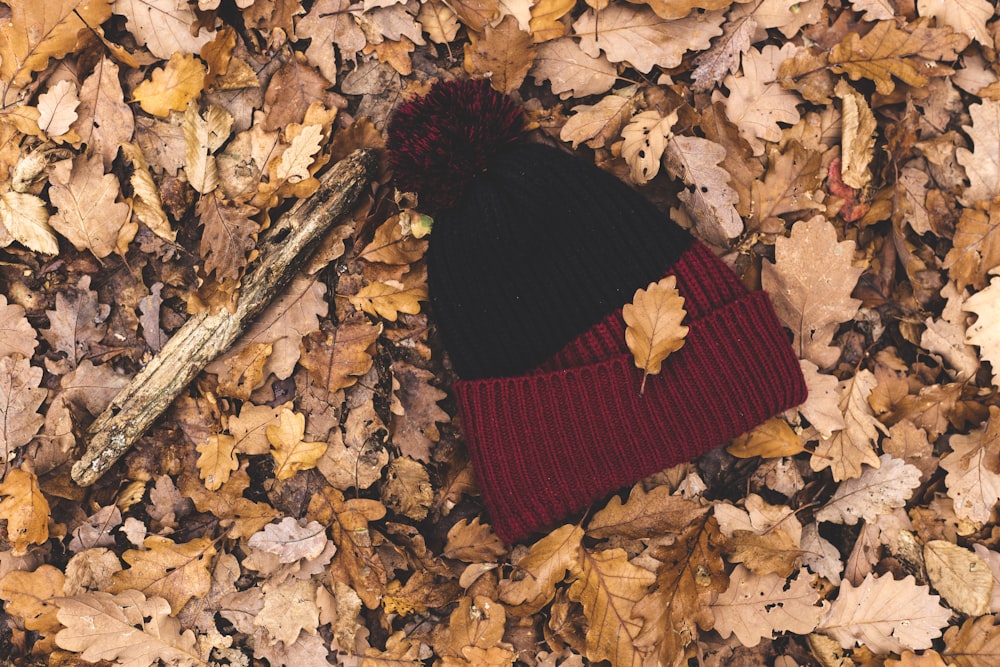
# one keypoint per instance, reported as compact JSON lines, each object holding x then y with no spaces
{"x":438,"y":143}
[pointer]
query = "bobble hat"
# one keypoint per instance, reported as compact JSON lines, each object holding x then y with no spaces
{"x":533,"y":254}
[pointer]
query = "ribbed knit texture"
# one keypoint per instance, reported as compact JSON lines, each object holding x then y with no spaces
{"x":550,"y":442}
{"x":541,"y":247}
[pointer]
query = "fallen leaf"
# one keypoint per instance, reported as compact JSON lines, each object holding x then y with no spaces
{"x":885,"y":615}
{"x":386,"y":299}
{"x":755,"y":607}
{"x":974,"y":644}
{"x":809,"y":263}
{"x":25,"y":509}
{"x":858,"y":128}
{"x":31,"y":596}
{"x":985,"y":332}
{"x":710,"y":201}
{"x":570,"y":71}
{"x":25,"y":219}
{"x":774,"y":438}
{"x":335,"y":358}
{"x":967,"y":16}
{"x":973,"y":481}
{"x":597,"y":124}
{"x":645,"y":138}
{"x":172,"y":88}
{"x":57,"y":109}
{"x":89,"y":214}
{"x":962,"y":578}
{"x":545,"y":565}
{"x":877,"y":491}
{"x":846,"y":451}
{"x":217,"y":460}
{"x":654,"y":329}
{"x":163,"y":26}
{"x":20,"y":398}
{"x":291,"y":454}
{"x":407,"y":490}
{"x":174,"y":572}
{"x":104,"y":121}
{"x":655,"y":512}
{"x":504,"y":52}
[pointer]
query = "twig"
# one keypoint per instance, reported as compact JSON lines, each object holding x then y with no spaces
{"x":283,"y":250}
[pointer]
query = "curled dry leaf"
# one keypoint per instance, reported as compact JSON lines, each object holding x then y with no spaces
{"x":654,"y":327}
{"x":961,"y":577}
{"x":25,"y":509}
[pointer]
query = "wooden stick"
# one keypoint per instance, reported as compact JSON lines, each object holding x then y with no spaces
{"x":283,"y":250}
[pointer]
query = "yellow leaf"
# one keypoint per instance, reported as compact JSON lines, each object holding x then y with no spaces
{"x":290,"y":453}
{"x":217,"y":460}
{"x":545,"y":565}
{"x":25,"y":509}
{"x":545,"y":14}
{"x":171,"y":88}
{"x":29,"y":595}
{"x":772,"y":439}
{"x":654,"y":328}
{"x":388,"y":299}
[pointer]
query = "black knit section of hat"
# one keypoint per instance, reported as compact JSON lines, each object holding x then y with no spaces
{"x":541,"y":247}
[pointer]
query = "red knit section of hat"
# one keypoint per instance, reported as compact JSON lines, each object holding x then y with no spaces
{"x":548,"y":444}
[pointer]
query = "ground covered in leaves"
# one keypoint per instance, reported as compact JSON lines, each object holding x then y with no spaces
{"x":308,"y":500}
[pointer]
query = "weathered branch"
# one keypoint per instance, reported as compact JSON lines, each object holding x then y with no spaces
{"x":283,"y":249}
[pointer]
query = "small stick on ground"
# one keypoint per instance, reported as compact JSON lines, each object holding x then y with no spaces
{"x":283,"y":250}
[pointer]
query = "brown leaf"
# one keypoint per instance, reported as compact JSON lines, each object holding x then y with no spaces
{"x":476,"y":13}
{"x":31,"y":596}
{"x":25,"y":509}
{"x":473,"y":542}
{"x":328,"y":24}
{"x":291,"y":454}
{"x":217,"y":460}
{"x":415,"y":411}
{"x":104,"y":122}
{"x":973,"y":480}
{"x":774,"y":438}
{"x":241,"y":516}
{"x":89,"y":215}
{"x":392,"y":245}
{"x":230,"y":235}
{"x":20,"y":398}
{"x":645,"y":514}
{"x":848,"y":450}
{"x":790,"y":185}
{"x":974,"y":644}
{"x":335,"y":358}
{"x":504,"y":52}
{"x":654,"y":327}
{"x":407,"y":490}
{"x":754,"y":607}
{"x":545,"y":565}
{"x":976,"y":247}
{"x":961,"y":577}
{"x":388,"y":298}
{"x":570,"y":71}
{"x":175,"y":572}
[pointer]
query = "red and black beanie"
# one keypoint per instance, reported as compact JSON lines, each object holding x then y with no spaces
{"x":532,"y":256}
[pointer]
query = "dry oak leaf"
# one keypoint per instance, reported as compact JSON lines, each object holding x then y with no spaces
{"x":947,"y":336}
{"x":335,"y":359}
{"x":691,"y":573}
{"x":857,"y":144}
{"x":645,"y":138}
{"x":165,"y":27}
{"x":127,"y":628}
{"x":20,"y":398}
{"x":57,"y":109}
{"x":392,"y":245}
{"x":961,"y":577}
{"x":146,"y":201}
{"x":975,"y":644}
{"x":875,"y":10}
{"x":886,"y":615}
{"x":173,"y":87}
{"x":973,"y":482}
{"x":386,"y":299}
{"x":638,"y":36}
{"x":545,"y":24}
{"x":772,"y":439}
{"x":475,"y":623}
{"x":229,"y":236}
{"x":241,"y":516}
{"x":653,"y":325}
{"x":473,"y":542}
{"x":571,"y":72}
{"x":645,"y":514}
{"x":289,"y":608}
{"x":25,"y":219}
{"x":887,"y":50}
{"x":755,"y":607}
{"x":503,"y":52}
{"x":439,"y":21}
{"x":878,"y":491}
{"x":293,"y":165}
{"x":104,"y":121}
{"x":725,"y":54}
{"x":757,"y":102}
{"x":17,"y":336}
{"x":608,"y":586}
{"x":598,"y":124}
{"x":793,"y":177}
{"x":291,"y":454}
{"x":77,"y":323}
{"x":810,"y":283}
{"x":88,"y":214}
{"x":982,"y":164}
{"x":203,"y":135}
{"x":31,"y":597}
{"x":976,"y":246}
{"x":964,"y":16}
{"x":415,"y":410}
{"x":216,"y":460}
{"x":175,"y":572}
{"x":711,"y":201}
{"x":25,"y":509}
{"x":847,"y":451}
{"x":475,"y":13}
{"x":358,"y":462}
{"x":985,"y":332}
{"x":33,"y":34}
{"x":545,"y":565}
{"x":330,"y":25}
{"x":407,"y":489}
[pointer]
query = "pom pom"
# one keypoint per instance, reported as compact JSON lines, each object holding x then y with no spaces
{"x":438,"y":143}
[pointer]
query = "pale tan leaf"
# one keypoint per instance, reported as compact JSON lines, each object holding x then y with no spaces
{"x":129,"y":628}
{"x":654,"y":327}
{"x":504,"y":52}
{"x":608,"y":586}
{"x":645,"y":139}
{"x":597,"y":124}
{"x":962,"y":578}
{"x":972,"y":480}
{"x":165,"y":27}
{"x":57,"y":109}
{"x":711,"y":201}
{"x":982,"y":164}
{"x":146,"y":202}
{"x":947,"y":336}
{"x":811,"y":283}
{"x":290,"y":540}
{"x":332,"y":30}
{"x":294,"y":163}
{"x":105,"y":121}
{"x":570,"y":71}
{"x":26,"y":220}
{"x":88,"y":213}
{"x":846,"y":451}
{"x":17,"y":336}
{"x":289,"y":609}
{"x":755,"y":607}
{"x":439,"y":21}
{"x":636,"y":35}
{"x":203,"y":134}
{"x":857,"y":145}
{"x":175,"y":572}
{"x":757,"y":102}
{"x":20,"y":398}
{"x":885,"y":615}
{"x":822,"y":406}
{"x":875,"y":10}
{"x":388,"y":298}
{"x":965,"y":16}
{"x":725,"y":54}
{"x":985,"y":332}
{"x":878,"y":491}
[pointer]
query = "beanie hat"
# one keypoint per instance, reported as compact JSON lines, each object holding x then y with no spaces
{"x":532,"y":256}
